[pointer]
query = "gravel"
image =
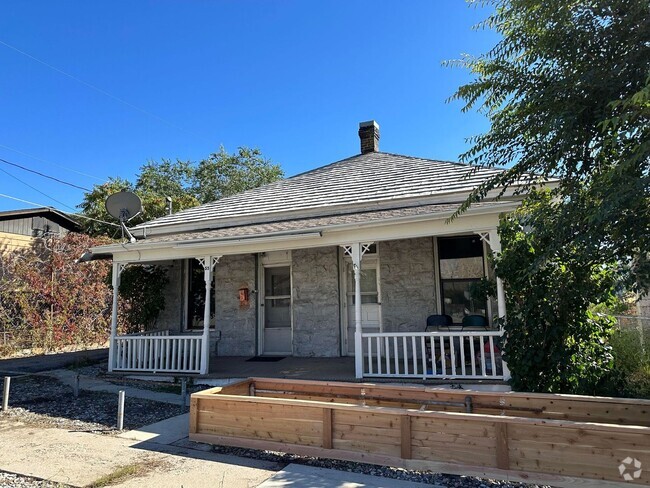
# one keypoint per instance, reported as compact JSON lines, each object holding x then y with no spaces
{"x":11,"y":480}
{"x":437,"y":479}
{"x":45,"y":401}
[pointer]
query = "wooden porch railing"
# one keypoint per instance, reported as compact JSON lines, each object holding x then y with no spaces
{"x":157,"y":353}
{"x":444,"y":355}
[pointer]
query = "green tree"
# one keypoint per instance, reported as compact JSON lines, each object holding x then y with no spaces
{"x":188,"y":184}
{"x":222,"y":174}
{"x":555,"y":342}
{"x":567,"y":94}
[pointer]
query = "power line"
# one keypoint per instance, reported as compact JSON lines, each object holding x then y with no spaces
{"x":35,"y":189}
{"x":53,"y":164}
{"x":96,"y":88}
{"x":44,"y":175}
{"x":54,"y":208}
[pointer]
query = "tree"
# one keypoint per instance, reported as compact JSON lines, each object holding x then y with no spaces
{"x":567,"y":94}
{"x":555,"y":341}
{"x":47,"y":300}
{"x":188,"y":184}
{"x":223,"y":174}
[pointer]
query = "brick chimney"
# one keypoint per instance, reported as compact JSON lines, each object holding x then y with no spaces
{"x":369,"y":135}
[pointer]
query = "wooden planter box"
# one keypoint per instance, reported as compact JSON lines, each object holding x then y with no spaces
{"x":554,"y":439}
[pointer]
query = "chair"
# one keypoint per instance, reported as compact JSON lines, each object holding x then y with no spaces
{"x":475,"y":321}
{"x":438,"y":321}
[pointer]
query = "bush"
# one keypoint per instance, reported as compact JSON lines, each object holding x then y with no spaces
{"x":555,"y":343}
{"x":630,"y":374}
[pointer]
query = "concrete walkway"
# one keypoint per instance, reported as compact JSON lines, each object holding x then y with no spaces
{"x":80,"y":458}
{"x":300,"y":476}
{"x":89,"y":383}
{"x":48,"y":362}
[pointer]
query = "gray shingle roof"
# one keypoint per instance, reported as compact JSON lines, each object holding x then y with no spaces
{"x":313,"y":224}
{"x":376,"y":179}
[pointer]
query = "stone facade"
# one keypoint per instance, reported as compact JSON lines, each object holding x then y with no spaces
{"x":172,"y":316}
{"x":408,"y":296}
{"x":316,"y":321}
{"x":408,"y":290}
{"x":237,"y":322}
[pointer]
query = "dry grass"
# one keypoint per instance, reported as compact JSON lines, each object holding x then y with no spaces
{"x":128,"y":471}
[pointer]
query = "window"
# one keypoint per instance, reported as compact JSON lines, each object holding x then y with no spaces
{"x":277,"y":297}
{"x":461,"y":269}
{"x":196,"y":296}
{"x":369,"y":291}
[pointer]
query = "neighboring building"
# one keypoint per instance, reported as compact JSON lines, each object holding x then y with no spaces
{"x":20,"y":228}
{"x":347,"y":259}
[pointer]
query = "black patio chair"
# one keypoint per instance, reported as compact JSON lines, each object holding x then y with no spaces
{"x":435,"y":322}
{"x":438,"y":321}
{"x":475,"y":321}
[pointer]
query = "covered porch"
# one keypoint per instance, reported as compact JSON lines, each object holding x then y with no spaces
{"x":334,"y":313}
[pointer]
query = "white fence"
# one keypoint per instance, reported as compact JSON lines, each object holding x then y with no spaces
{"x":444,"y":355}
{"x":157,"y":353}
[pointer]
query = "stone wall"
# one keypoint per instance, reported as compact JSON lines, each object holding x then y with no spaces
{"x":316,"y":321}
{"x":408,"y":291}
{"x":237,"y":323}
{"x":172,"y":316}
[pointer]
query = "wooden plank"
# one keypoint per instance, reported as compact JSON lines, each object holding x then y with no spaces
{"x":368,"y":417}
{"x":406,"y":437}
{"x":344,"y":431}
{"x":579,"y":437}
{"x":313,"y":412}
{"x":441,"y":452}
{"x":327,"y":428}
{"x":262,"y":432}
{"x":502,"y":454}
{"x":194,"y":411}
{"x":368,"y":446}
{"x":307,"y":427}
{"x":471,"y":427}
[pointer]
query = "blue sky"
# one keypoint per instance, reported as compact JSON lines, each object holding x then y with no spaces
{"x":293,"y":78}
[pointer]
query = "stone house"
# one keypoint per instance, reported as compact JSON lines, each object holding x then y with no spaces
{"x":351,"y":258}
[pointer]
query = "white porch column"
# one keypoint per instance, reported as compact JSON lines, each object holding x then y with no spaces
{"x":117,"y":271}
{"x":495,"y":245}
{"x":356,"y":252}
{"x":208,"y":263}
{"x":356,"y":256}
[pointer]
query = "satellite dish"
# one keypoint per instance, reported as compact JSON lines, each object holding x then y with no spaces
{"x":123,"y":205}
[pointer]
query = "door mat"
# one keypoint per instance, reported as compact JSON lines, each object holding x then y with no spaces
{"x":265,"y":359}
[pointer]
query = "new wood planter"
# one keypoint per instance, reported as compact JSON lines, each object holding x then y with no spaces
{"x":554,"y":439}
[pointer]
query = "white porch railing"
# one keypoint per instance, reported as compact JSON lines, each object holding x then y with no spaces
{"x":158,"y":332}
{"x":444,"y":355}
{"x":157,"y":353}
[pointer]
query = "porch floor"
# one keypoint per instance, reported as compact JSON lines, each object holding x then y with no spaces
{"x":319,"y":369}
{"x":322,"y":369}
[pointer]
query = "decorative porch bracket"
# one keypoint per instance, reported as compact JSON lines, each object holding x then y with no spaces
{"x":208,"y":263}
{"x":118,"y":268}
{"x":494,"y":241}
{"x":356,"y":252}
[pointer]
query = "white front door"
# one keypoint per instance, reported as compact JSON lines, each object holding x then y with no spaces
{"x":275,"y":309}
{"x":370,"y":300}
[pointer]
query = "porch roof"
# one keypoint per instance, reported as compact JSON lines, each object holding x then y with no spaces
{"x":309,"y":227}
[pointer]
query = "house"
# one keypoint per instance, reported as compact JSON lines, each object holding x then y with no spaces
{"x":22,"y":228}
{"x":349,"y":259}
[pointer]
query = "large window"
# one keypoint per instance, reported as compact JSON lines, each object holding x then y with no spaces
{"x":461,"y":270}
{"x":196,"y":296}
